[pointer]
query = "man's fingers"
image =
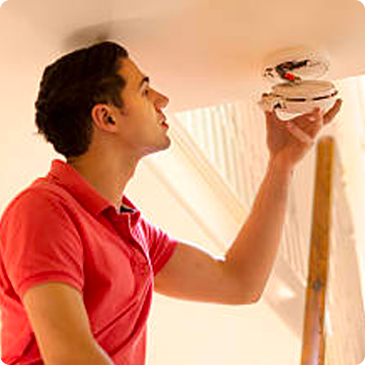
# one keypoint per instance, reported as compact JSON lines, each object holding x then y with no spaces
{"x":309,"y":123}
{"x":299,"y":134}
{"x":329,"y":116}
{"x":265,"y":105}
{"x":271,"y":114}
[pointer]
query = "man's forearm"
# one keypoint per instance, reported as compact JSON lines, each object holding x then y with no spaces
{"x":252,"y":254}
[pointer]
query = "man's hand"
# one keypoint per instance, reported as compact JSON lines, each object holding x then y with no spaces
{"x":291,"y":140}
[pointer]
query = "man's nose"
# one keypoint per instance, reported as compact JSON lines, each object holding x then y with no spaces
{"x":162,"y":100}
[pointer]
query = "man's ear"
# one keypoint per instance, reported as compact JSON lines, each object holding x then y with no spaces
{"x":102,"y":116}
{"x":110,"y":120}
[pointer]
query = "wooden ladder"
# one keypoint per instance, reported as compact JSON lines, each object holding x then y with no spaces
{"x":313,"y":351}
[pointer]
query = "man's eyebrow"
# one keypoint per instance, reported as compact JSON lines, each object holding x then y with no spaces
{"x":145,"y":79}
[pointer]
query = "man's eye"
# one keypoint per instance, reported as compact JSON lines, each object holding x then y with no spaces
{"x":145,"y":92}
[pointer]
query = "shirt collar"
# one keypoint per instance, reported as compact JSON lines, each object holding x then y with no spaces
{"x":67,"y":176}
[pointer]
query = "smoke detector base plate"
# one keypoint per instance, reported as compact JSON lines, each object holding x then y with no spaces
{"x":301,"y":63}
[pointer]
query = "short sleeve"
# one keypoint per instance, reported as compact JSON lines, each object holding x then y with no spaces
{"x":40,"y":242}
{"x":162,"y":246}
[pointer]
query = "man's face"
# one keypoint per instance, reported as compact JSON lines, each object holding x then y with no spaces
{"x":140,"y":126}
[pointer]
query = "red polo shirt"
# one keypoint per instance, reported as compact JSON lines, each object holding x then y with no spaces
{"x":61,"y":229}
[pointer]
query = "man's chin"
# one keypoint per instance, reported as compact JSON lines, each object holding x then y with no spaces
{"x":161,"y":147}
{"x":168,"y":144}
{"x":165,"y":144}
{"x":164,"y":147}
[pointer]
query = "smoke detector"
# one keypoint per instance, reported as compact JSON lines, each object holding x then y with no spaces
{"x":297,"y":90}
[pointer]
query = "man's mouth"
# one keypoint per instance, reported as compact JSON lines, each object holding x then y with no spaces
{"x":163,"y":122}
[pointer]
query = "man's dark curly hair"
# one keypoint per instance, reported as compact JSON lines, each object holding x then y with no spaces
{"x":69,"y":89}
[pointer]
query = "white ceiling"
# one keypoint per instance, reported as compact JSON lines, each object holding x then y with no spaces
{"x":199,"y":52}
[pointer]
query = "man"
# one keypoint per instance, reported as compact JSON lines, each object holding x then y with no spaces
{"x":79,"y":261}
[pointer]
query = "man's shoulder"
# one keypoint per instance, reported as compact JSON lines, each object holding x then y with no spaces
{"x":32,"y":196}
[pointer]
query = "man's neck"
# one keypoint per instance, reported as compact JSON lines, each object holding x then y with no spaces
{"x":109,"y":180}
